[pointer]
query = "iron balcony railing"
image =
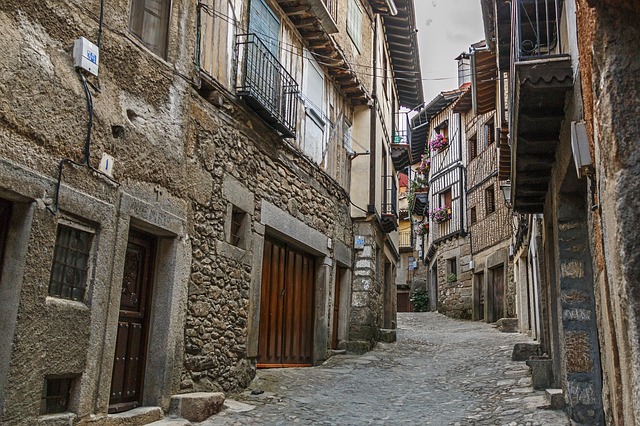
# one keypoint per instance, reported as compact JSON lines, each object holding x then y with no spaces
{"x":402,"y":132}
{"x":390,"y":198}
{"x":536,"y":28}
{"x":266,"y":85}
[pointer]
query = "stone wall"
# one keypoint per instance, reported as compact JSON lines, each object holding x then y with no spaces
{"x":454,"y":297}
{"x":610,"y":98}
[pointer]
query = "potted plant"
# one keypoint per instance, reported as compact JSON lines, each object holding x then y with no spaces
{"x":423,"y":228}
{"x":441,"y":214}
{"x":438,"y":143}
{"x":425,"y":165}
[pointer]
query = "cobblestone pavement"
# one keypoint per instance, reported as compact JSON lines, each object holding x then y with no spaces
{"x":441,"y":371}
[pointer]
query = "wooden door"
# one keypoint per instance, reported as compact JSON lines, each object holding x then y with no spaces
{"x":336,"y":307}
{"x":5,"y":215}
{"x":498,"y":293}
{"x":131,"y":342}
{"x":286,"y":307}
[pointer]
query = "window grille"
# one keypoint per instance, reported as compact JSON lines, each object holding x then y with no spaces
{"x":70,"y":263}
{"x":55,"y":395}
{"x":490,"y":200}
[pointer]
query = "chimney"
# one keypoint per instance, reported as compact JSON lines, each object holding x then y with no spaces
{"x":464,"y":68}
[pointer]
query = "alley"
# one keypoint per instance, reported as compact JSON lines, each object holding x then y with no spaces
{"x":441,"y":371}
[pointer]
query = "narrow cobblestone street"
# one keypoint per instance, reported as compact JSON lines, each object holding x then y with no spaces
{"x":441,"y":371}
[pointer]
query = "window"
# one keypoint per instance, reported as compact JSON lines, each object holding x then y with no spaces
{"x":452,"y":270}
{"x":490,"y":200}
{"x":474,"y":215}
{"x":346,"y":136}
{"x":149,"y":21}
{"x":239,"y":224}
{"x":445,"y":198}
{"x":354,"y":23}
{"x":491,"y":133}
{"x":55,"y":395}
{"x":315,"y":123}
{"x":473,"y":147}
{"x":70,"y":263}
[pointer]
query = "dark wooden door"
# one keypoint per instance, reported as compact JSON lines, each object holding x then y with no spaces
{"x":286,"y":307}
{"x":131,"y":341}
{"x":498,"y":293}
{"x":5,"y":215}
{"x":336,"y":307}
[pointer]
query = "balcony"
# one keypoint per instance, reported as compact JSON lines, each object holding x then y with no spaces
{"x":541,"y":78}
{"x":405,"y":243}
{"x":266,"y":86}
{"x":389,"y":204}
{"x":400,"y":148}
{"x":316,"y":20}
{"x":420,"y":204}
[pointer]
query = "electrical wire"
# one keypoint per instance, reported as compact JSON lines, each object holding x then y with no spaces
{"x":238,"y":25}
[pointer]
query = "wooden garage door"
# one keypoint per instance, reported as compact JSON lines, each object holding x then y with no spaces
{"x":286,"y":307}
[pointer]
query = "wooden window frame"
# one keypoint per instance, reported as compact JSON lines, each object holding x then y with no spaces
{"x":489,"y":200}
{"x":491,"y":133}
{"x":473,"y":215}
{"x":137,"y":14}
{"x":473,"y":147}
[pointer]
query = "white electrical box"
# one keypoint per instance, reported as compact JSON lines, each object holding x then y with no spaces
{"x":86,"y":55}
{"x":106,"y":164}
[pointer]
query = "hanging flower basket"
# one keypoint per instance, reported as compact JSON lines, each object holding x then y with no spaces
{"x":438,"y":143}
{"x":423,"y":228}
{"x":441,"y":214}
{"x":425,"y":165}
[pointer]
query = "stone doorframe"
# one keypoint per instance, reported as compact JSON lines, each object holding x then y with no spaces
{"x":280,"y":224}
{"x":168,"y":299}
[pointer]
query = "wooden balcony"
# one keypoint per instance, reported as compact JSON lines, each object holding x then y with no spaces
{"x":405,"y":242}
{"x":315,"y":20}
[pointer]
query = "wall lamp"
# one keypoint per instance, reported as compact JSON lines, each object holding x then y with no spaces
{"x":505,"y":187}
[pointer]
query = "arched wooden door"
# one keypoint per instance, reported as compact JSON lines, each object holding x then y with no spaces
{"x":286,"y":307}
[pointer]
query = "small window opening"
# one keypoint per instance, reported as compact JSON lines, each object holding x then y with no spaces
{"x":55,"y":395}
{"x":238,"y":226}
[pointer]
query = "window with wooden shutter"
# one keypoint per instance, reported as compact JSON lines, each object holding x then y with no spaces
{"x":354,"y":23}
{"x":490,"y":200}
{"x":491,"y":133}
{"x":149,"y":21}
{"x":473,"y":147}
{"x":474,"y":215}
{"x":445,"y":198}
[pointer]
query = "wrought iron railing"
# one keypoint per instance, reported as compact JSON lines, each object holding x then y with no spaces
{"x":402,"y":132}
{"x":536,"y":28}
{"x":266,"y":85}
{"x":390,"y":196}
{"x":332,"y":7}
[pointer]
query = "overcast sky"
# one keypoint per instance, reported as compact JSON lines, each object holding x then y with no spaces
{"x":446,"y":28}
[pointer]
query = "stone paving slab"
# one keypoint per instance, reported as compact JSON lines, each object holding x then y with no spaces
{"x":441,"y":371}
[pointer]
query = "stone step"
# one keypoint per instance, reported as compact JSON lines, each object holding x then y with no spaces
{"x":523,"y":351}
{"x":555,"y":398}
{"x":196,"y":406}
{"x":507,"y":325}
{"x":168,"y":421}
{"x":135,"y":417}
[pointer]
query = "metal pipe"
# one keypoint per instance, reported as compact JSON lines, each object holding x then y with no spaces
{"x":393,"y":10}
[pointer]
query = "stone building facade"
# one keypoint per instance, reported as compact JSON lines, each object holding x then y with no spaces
{"x":466,"y":252}
{"x":574,"y":185}
{"x":155,"y":270}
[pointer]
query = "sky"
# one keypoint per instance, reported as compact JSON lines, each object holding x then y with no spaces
{"x":446,"y":28}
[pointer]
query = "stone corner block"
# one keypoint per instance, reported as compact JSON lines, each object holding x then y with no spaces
{"x":196,"y":406}
{"x":524,"y":351}
{"x":387,"y":335}
{"x":137,"y":416}
{"x":541,"y":372}
{"x":507,"y":325}
{"x":555,"y":398}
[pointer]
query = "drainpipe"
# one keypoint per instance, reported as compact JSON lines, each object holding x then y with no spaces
{"x":462,"y":177}
{"x":372,"y":129}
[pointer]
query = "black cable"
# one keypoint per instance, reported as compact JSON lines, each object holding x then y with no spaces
{"x":100,"y":24}
{"x":87,"y":142}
